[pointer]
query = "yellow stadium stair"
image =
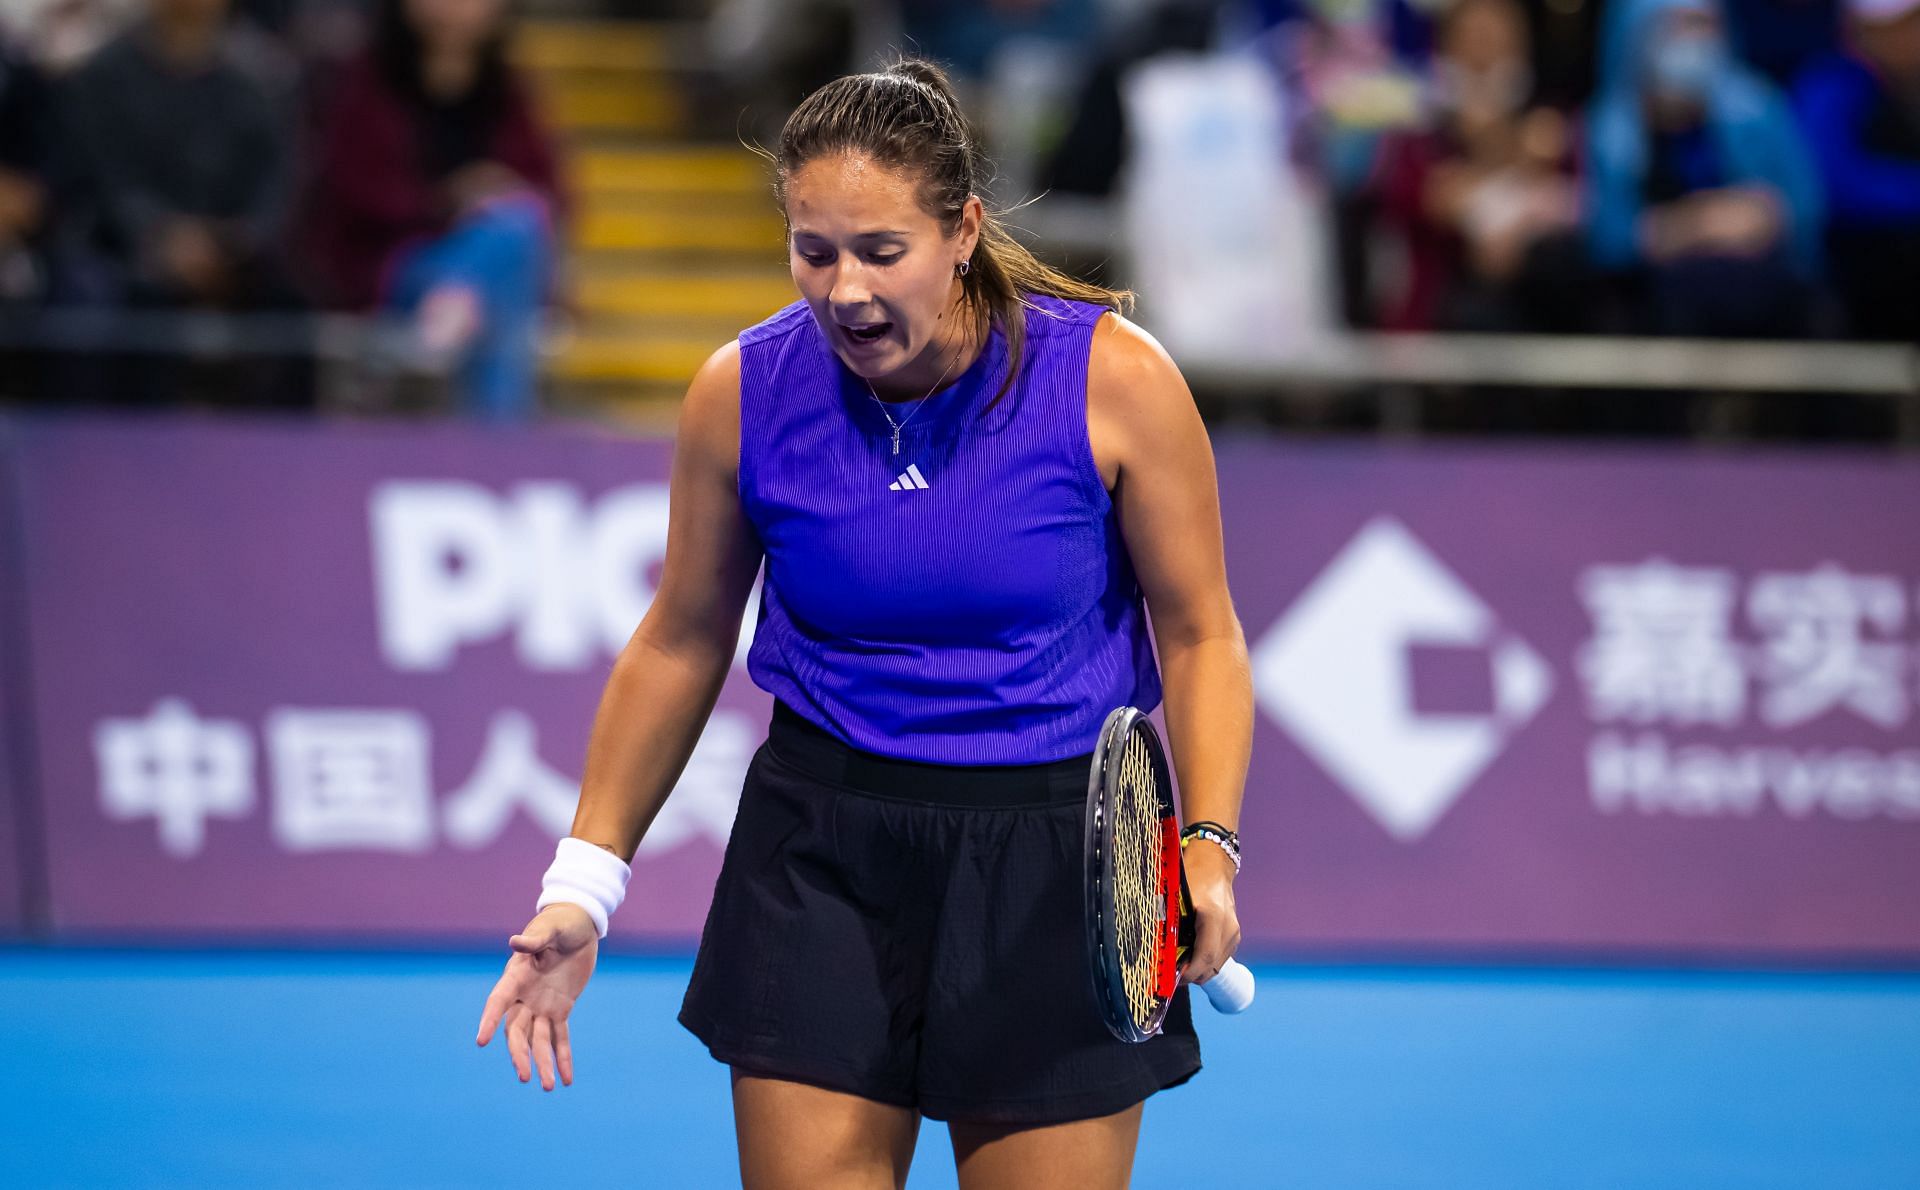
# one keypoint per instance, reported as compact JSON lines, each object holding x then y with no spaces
{"x":675,"y":244}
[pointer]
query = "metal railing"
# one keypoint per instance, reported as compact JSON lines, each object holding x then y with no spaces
{"x":1396,"y":366}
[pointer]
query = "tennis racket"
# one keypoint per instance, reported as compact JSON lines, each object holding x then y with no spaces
{"x":1139,"y":922}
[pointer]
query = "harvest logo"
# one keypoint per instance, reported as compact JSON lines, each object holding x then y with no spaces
{"x":1374,"y":671}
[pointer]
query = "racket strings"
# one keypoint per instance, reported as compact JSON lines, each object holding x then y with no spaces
{"x":1139,"y":901}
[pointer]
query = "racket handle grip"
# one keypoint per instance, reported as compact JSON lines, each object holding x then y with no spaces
{"x":1231,"y":988}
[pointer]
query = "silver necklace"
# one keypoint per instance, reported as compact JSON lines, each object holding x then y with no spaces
{"x":897,"y":426}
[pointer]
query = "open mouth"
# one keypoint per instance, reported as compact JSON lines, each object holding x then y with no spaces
{"x":871,"y":333}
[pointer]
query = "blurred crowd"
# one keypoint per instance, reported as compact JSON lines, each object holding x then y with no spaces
{"x":1715,"y":168}
{"x":1749,"y":171}
{"x":270,"y":156}
{"x":1730,"y":168}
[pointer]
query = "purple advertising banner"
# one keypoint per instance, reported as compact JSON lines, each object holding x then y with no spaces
{"x":12,"y":877}
{"x":299,"y":680}
{"x":1580,"y":698}
{"x":340,"y":681}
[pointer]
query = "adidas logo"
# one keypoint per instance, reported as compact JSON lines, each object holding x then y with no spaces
{"x":909,"y":480}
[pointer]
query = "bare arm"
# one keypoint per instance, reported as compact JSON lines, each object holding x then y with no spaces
{"x":658,"y":697}
{"x":1154,"y":455}
{"x":666,"y":679}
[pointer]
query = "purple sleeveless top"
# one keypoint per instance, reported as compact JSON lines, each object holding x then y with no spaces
{"x":968,"y":601}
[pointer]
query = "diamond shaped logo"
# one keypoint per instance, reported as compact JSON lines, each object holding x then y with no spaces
{"x":1337,"y":671}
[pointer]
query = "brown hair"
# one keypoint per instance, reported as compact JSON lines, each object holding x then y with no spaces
{"x":907,"y":116}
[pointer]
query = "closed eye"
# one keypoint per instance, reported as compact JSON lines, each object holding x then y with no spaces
{"x":819,"y":259}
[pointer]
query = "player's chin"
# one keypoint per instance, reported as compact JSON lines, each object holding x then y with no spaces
{"x":865,"y":368}
{"x":871,"y":361}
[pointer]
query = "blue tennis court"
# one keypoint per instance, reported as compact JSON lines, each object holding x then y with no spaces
{"x":222,"y":1068}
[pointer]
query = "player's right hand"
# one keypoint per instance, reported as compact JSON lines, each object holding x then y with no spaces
{"x":551,"y":961}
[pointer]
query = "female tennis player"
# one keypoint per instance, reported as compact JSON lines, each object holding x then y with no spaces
{"x":970,"y":480}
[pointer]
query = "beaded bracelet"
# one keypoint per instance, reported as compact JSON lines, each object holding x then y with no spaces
{"x":1219,"y":836}
{"x":1209,"y":824}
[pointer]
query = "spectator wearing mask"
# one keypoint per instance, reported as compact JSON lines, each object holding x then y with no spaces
{"x":1485,"y":200}
{"x":175,"y":169}
{"x":1861,"y":111}
{"x":436,"y":193}
{"x":1699,"y":186}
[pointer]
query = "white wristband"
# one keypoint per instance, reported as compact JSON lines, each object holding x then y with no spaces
{"x":588,"y":876}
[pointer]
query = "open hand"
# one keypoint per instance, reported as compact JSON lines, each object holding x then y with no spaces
{"x":551,"y":961}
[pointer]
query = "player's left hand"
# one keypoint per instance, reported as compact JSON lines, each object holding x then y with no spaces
{"x":1216,"y":925}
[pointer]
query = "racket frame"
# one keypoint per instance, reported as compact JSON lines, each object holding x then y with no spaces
{"x":1103,"y":941}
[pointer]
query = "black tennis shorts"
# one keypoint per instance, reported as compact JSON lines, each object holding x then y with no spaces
{"x":915,"y":934}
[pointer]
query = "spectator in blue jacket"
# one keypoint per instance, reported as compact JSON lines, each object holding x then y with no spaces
{"x":1699,"y":186}
{"x":1861,"y":111}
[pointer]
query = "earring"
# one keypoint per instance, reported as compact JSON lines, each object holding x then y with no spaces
{"x":963,"y":268}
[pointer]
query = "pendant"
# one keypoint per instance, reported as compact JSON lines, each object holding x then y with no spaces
{"x":896,"y":440}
